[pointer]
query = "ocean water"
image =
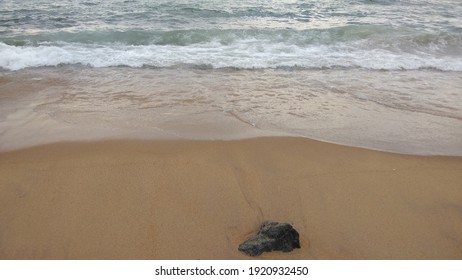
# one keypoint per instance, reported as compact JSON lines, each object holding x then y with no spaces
{"x":370,"y":34}
{"x":382,"y":74}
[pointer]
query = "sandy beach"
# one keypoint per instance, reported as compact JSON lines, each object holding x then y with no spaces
{"x":178,"y":199}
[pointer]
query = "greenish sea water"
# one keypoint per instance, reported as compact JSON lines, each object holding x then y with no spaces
{"x":371,"y":34}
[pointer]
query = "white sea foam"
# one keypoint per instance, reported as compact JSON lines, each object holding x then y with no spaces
{"x":320,"y":34}
{"x":245,"y":54}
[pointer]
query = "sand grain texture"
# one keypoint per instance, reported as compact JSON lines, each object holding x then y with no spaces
{"x":201,"y":199}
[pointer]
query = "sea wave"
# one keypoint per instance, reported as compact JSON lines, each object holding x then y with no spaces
{"x":371,"y":47}
{"x":378,"y":35}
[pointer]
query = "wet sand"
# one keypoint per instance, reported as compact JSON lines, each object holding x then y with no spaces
{"x":397,"y":111}
{"x":175,"y":199}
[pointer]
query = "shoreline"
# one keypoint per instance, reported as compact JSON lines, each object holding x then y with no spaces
{"x":77,"y":103}
{"x":189,"y":199}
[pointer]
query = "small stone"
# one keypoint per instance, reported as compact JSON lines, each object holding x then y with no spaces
{"x":272,"y":236}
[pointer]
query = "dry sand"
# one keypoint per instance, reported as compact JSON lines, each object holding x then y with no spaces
{"x":201,"y":199}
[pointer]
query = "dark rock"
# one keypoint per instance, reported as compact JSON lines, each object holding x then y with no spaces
{"x":272,"y":236}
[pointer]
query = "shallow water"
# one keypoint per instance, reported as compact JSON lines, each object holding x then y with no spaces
{"x":418,"y":112}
